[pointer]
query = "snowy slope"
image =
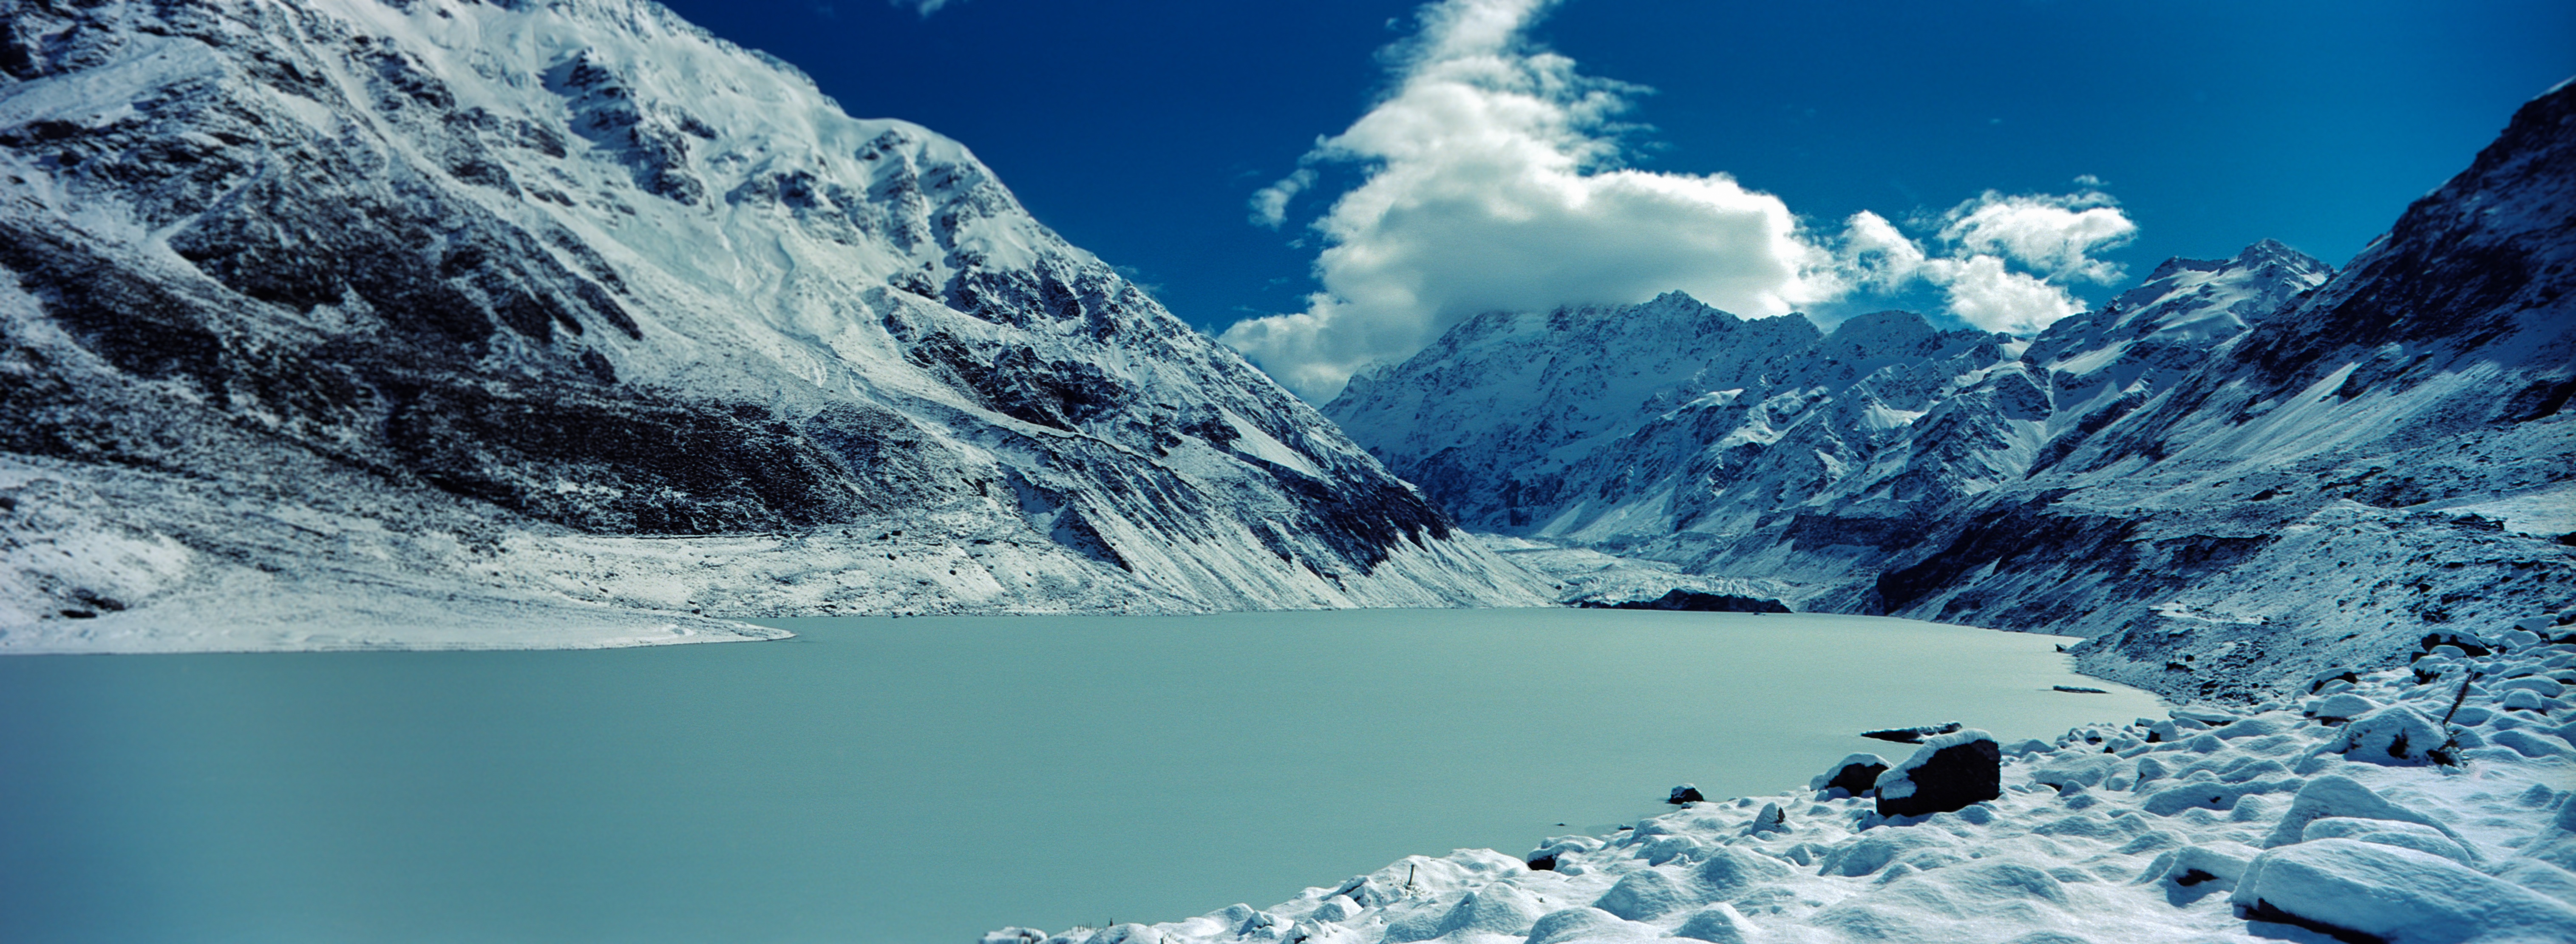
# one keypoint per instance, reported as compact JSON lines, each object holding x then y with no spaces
{"x":2234,"y":472}
{"x":2306,"y":818}
{"x":575,"y":304}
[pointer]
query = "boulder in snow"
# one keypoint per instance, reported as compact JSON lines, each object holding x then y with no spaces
{"x":1686,"y":793}
{"x":2540,"y":685}
{"x":1947,"y":773}
{"x":1646,"y":894}
{"x":1717,"y":924}
{"x":2078,"y":770}
{"x":2386,"y":832}
{"x":2395,"y":735}
{"x":1769,"y":820}
{"x":1874,"y":849}
{"x":1729,"y":872}
{"x":2342,"y":707}
{"x":2192,"y":872}
{"x":2318,"y":682}
{"x":2339,"y":796}
{"x":2356,"y":891}
{"x":1586,"y":924}
{"x":2534,"y":744}
{"x":1499,"y":908}
{"x":1853,"y":774}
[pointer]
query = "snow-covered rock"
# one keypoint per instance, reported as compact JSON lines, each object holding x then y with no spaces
{"x":2397,"y":734}
{"x":2416,"y":836}
{"x":2395,"y":895}
{"x":1947,"y":773}
{"x":576,"y":308}
{"x":1717,"y":924}
{"x":2299,"y":845}
{"x":2341,"y":705}
{"x":1648,"y":893}
{"x":2203,"y":869}
{"x":2477,"y":851}
{"x":2241,"y":472}
{"x":1573,"y":925}
{"x":1854,"y":775}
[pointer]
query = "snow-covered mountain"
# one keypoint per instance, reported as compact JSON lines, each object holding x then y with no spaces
{"x":2237,"y":470}
{"x":320,"y":302}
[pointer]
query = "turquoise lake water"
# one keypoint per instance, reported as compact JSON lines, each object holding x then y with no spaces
{"x":920,"y":780}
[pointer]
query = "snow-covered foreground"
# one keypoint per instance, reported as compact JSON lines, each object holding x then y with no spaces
{"x":2352,"y":812}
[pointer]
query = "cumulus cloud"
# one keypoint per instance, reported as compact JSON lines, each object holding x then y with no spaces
{"x":1494,"y":179}
{"x":1270,"y":204}
{"x":1984,"y":293}
{"x":1876,"y":256}
{"x":923,"y":7}
{"x":2001,"y":262}
{"x":2054,"y":234}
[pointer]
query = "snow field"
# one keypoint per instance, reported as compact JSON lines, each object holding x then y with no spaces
{"x":2297,"y":819}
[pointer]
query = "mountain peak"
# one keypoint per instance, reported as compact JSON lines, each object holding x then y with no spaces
{"x":550,"y":275}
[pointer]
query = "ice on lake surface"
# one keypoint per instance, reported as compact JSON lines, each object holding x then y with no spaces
{"x":925,"y":779}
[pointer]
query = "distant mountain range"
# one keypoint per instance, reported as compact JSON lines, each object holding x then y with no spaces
{"x":2240,"y":470}
{"x":318,"y":309}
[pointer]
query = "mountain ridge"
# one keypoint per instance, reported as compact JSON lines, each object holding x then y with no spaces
{"x":569,"y":276}
{"x":2237,"y":471}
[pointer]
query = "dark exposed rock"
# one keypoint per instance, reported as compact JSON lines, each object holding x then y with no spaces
{"x":2265,"y":911}
{"x":1913,"y":735}
{"x":1855,"y":779}
{"x":1694,"y":601}
{"x":1952,"y":778}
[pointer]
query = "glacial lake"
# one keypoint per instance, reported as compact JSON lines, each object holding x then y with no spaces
{"x":921,"y":780}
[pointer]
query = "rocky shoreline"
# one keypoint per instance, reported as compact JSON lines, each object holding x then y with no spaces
{"x":2430,"y":803}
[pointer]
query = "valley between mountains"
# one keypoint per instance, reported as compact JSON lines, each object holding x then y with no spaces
{"x":430,"y":324}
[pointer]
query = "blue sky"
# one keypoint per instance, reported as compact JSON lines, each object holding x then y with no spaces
{"x":1141,"y":129}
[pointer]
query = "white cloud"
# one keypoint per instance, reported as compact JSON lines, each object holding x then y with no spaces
{"x":923,"y":7}
{"x":1984,"y":293}
{"x":1270,"y":204}
{"x":1876,"y":256}
{"x":2055,"y":234}
{"x":1978,"y":244}
{"x":1494,"y":180}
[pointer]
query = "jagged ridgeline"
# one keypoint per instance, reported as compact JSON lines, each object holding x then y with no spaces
{"x":439,"y":287}
{"x":2241,"y":470}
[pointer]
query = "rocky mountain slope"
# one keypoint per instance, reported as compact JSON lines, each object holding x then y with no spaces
{"x":319,"y":309}
{"x":2237,"y":471}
